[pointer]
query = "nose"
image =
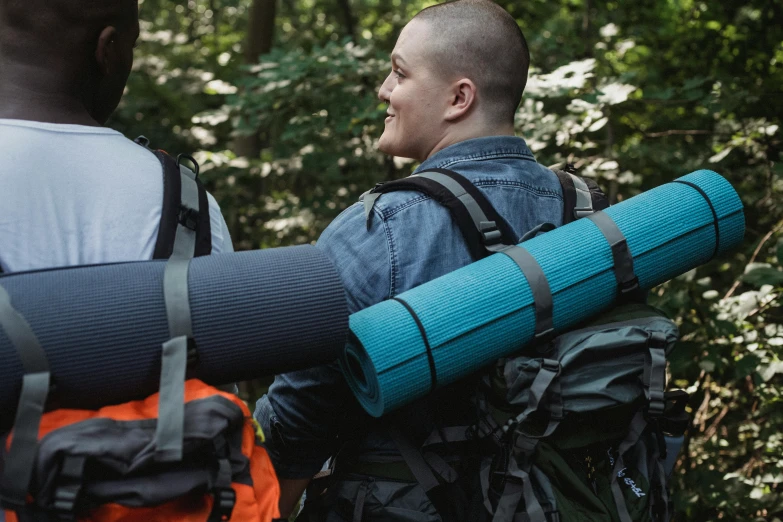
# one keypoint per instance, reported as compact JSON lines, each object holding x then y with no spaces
{"x":384,"y":93}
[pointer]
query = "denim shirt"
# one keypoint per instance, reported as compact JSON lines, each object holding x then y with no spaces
{"x":411,"y":240}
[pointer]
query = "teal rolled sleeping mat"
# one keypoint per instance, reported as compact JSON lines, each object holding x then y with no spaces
{"x":454,"y":325}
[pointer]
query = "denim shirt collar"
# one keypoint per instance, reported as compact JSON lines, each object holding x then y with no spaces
{"x":478,"y":149}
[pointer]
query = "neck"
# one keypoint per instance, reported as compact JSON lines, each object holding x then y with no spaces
{"x":34,"y":93}
{"x":462,"y":133}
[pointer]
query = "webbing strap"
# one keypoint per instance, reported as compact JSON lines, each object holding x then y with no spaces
{"x":440,"y":466}
{"x":635,"y":430}
{"x":430,"y":358}
{"x":654,"y":377}
{"x":712,"y":209}
{"x":415,"y":461}
{"x":174,"y":360}
{"x":539,"y":286}
{"x":513,"y":492}
{"x":361,"y":497}
{"x":624,"y":274}
{"x":175,"y":291}
{"x":69,"y":485}
{"x":32,"y":400}
{"x":185,"y":237}
{"x":584,"y":200}
{"x":223,"y":495}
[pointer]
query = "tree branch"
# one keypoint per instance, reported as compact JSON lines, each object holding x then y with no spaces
{"x":676,"y":132}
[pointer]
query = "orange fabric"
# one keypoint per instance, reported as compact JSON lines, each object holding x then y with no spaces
{"x":253,"y":504}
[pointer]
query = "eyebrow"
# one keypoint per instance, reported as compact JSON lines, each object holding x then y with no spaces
{"x":397,"y":58}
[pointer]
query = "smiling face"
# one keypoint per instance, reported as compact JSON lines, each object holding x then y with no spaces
{"x":418,"y":97}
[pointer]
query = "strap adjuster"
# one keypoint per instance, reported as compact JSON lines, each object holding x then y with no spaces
{"x":224,"y":501}
{"x":629,"y":287}
{"x":188,"y":217}
{"x":490,"y":234}
{"x":579,"y":213}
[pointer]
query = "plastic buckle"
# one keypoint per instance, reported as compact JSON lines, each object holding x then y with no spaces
{"x":188,"y":218}
{"x":550,"y":364}
{"x":570,"y":168}
{"x":657,"y":403}
{"x":579,"y":213}
{"x":224,"y":501}
{"x":490,"y":233}
{"x":629,"y":287}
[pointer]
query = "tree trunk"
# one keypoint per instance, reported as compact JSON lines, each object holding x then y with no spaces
{"x":260,"y":36}
{"x":348,"y":20}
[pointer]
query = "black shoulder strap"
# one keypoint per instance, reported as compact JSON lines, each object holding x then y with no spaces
{"x":581,"y":196}
{"x":477,"y":219}
{"x":185,"y":227}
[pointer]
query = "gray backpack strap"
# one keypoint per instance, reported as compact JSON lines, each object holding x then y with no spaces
{"x":584,"y":201}
{"x":185,"y":237}
{"x":171,"y":412}
{"x":32,"y":400}
{"x":637,"y":427}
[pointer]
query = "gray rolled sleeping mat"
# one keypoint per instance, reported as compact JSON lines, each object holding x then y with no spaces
{"x":101,"y":327}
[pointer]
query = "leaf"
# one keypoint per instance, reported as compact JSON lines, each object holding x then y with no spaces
{"x":759,"y":277}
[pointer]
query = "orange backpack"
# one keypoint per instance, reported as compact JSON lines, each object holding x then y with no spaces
{"x":189,"y":453}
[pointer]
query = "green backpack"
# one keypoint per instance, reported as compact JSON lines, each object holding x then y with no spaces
{"x":579,"y":428}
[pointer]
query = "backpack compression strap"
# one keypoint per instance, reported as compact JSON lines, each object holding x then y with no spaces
{"x":185,"y":229}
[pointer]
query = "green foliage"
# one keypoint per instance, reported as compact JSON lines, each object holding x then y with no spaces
{"x":636,"y":93}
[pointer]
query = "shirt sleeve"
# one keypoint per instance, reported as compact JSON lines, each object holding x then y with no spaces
{"x":221,"y":239}
{"x":304,"y":411}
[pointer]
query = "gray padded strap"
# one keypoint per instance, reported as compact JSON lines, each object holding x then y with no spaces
{"x":584,"y":201}
{"x":539,"y":286}
{"x":415,"y":461}
{"x":621,"y":255}
{"x":32,"y":400}
{"x":369,"y":199}
{"x":185,"y":238}
{"x":635,"y":430}
{"x":482,"y":222}
{"x":654,"y":377}
{"x":174,"y":361}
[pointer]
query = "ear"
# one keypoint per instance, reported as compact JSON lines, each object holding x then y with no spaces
{"x":463,"y":98}
{"x":106,"y":50}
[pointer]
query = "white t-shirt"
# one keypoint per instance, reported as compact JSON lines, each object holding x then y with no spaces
{"x":76,"y":195}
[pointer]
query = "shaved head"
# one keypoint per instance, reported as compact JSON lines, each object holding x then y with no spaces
{"x":479,"y":40}
{"x":59,"y":26}
{"x":70,"y":56}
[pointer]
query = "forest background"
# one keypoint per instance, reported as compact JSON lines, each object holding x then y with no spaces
{"x":277,"y":101}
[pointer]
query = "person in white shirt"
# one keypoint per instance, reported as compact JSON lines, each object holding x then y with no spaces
{"x":73,"y":192}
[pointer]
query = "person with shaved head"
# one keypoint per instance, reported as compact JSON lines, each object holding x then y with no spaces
{"x":457,"y":75}
{"x":74,"y":192}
